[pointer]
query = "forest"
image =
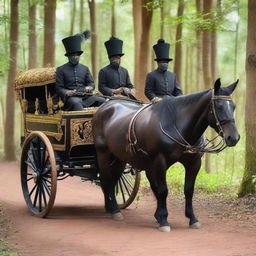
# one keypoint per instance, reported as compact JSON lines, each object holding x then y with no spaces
{"x":209,"y":39}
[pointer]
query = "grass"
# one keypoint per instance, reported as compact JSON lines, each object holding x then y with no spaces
{"x":5,"y":249}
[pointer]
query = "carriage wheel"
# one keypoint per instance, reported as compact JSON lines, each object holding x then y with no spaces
{"x":127,"y":187}
{"x":38,"y":174}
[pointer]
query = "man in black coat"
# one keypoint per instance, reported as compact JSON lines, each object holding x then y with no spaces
{"x":161,"y":83}
{"x":114,"y":79}
{"x":74,"y":82}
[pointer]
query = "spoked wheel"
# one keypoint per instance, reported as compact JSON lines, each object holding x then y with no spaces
{"x":38,"y":174}
{"x":127,"y":187}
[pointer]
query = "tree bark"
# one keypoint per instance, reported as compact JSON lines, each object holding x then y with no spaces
{"x":32,"y":43}
{"x":178,"y":45}
{"x":144,"y":54}
{"x":113,"y":19}
{"x":81,"y":22}
{"x":49,"y":32}
{"x":207,"y":75}
{"x":94,"y":39}
{"x":248,"y":184}
{"x":73,"y":15}
{"x":9,"y":147}
{"x":162,"y":19}
{"x":137,"y":27}
{"x":199,"y":66}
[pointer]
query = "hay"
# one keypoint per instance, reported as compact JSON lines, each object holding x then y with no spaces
{"x":35,"y":77}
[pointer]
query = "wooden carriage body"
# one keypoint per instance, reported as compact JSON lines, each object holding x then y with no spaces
{"x":57,"y":144}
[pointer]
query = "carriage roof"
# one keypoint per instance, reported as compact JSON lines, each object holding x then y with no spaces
{"x":35,"y":77}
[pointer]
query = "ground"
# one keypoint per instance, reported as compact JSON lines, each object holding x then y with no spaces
{"x":78,"y":224}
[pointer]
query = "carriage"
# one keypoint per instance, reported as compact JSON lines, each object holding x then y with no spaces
{"x":58,"y":144}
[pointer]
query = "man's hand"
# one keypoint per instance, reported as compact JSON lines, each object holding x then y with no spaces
{"x":156,"y":99}
{"x":88,"y":89}
{"x":126,"y":91}
{"x":117,"y":91}
{"x":70,"y":92}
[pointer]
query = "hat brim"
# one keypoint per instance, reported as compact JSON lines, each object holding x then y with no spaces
{"x":168,"y":59}
{"x":69,"y":53}
{"x":121,"y":54}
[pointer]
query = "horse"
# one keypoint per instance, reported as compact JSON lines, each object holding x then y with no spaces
{"x":155,"y":136}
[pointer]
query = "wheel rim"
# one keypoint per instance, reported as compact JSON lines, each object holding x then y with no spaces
{"x":38,"y":174}
{"x":127,"y":187}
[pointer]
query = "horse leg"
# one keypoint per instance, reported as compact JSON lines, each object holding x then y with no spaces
{"x":110,"y":171}
{"x":157,"y":179}
{"x":192,"y":170}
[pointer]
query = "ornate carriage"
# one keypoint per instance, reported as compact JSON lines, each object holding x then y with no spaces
{"x":58,"y":144}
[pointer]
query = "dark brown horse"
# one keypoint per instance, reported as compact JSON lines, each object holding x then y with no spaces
{"x":160,"y":135}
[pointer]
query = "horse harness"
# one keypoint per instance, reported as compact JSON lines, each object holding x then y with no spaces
{"x":208,"y":147}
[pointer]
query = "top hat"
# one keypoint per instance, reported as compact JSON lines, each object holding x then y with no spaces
{"x":161,"y":50}
{"x":72,"y":44}
{"x":114,"y":47}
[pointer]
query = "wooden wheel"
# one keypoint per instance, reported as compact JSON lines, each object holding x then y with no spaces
{"x":38,"y":174}
{"x":127,"y":187}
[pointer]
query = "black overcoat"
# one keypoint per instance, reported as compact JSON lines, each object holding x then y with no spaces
{"x":159,"y":84}
{"x":113,"y":78}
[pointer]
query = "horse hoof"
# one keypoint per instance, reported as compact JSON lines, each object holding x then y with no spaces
{"x":165,"y":229}
{"x":196,"y":225}
{"x":117,"y":216}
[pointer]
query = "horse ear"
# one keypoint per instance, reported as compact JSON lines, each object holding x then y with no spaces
{"x":232,"y":87}
{"x":217,"y":85}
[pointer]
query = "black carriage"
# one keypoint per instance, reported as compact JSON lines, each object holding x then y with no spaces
{"x":58,"y":144}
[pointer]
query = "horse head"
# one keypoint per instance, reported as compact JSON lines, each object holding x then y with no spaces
{"x":221,"y":113}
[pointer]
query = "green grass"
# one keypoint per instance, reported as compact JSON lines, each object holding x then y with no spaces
{"x":5,"y":249}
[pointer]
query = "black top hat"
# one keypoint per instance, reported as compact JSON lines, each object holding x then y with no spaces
{"x":114,"y":47}
{"x":162,"y":50}
{"x":72,"y":44}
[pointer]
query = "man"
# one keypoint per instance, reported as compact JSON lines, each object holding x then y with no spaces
{"x":114,"y":79}
{"x":74,"y":82}
{"x":161,"y":83}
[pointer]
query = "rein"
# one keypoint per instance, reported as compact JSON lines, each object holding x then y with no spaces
{"x":206,"y":147}
{"x":209,"y":146}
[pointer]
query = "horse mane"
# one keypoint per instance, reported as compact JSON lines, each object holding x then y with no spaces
{"x":175,"y":103}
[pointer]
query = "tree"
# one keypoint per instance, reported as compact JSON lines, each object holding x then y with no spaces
{"x":94,"y":39}
{"x":81,"y":23}
{"x":207,"y":71}
{"x":199,"y":66}
{"x":10,"y":100}
{"x":113,"y":19}
{"x":137,"y":23}
{"x":73,"y":15}
{"x":248,"y":183}
{"x":145,"y":45}
{"x":49,"y":32}
{"x":178,"y":46}
{"x":32,"y":44}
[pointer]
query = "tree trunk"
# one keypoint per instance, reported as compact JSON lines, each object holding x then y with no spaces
{"x":207,"y":62}
{"x":248,"y":183}
{"x":32,"y":44}
{"x":199,"y":66}
{"x":81,"y":22}
{"x":9,"y":147}
{"x":144,"y":54}
{"x":178,"y":45}
{"x":49,"y":32}
{"x":94,"y":40}
{"x":137,"y":27}
{"x":162,"y":19}
{"x":73,"y":15}
{"x":113,"y":19}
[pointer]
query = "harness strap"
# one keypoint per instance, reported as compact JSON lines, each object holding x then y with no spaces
{"x":133,"y":146}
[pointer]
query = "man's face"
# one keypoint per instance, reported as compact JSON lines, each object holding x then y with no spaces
{"x":74,"y":54}
{"x":116,"y":59}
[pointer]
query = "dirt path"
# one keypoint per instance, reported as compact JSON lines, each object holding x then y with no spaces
{"x":78,"y":225}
